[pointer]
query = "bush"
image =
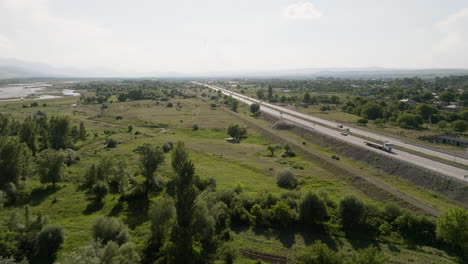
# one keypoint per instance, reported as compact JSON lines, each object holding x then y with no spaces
{"x":194,"y":127}
{"x":351,"y":211}
{"x":282,"y":215}
{"x":111,"y":143}
{"x":452,"y":227}
{"x":318,"y":253}
{"x":100,"y":190}
{"x":255,"y":109}
{"x":228,"y":253}
{"x":460,"y":126}
{"x":370,"y":255}
{"x":409,"y":121}
{"x":167,"y":146}
{"x":287,"y":179}
{"x":312,"y":209}
{"x":362,"y":121}
{"x":49,"y":240}
{"x":71,"y":157}
{"x":107,"y":229}
{"x":169,"y":104}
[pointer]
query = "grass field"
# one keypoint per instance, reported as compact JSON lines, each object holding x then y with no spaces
{"x":247,"y":164}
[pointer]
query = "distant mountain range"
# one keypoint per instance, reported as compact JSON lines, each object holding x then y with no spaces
{"x":15,"y":69}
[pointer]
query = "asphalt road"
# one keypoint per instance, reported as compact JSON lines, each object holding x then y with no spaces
{"x":313,"y":122}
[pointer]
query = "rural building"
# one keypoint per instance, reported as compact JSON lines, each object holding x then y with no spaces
{"x":452,"y":108}
{"x":453,"y":141}
{"x":408,"y":101}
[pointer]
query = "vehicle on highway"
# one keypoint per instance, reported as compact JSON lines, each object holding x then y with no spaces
{"x":344,"y":133}
{"x":340,"y":125}
{"x":385,"y":146}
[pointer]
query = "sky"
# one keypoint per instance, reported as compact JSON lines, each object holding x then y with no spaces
{"x":144,"y":36}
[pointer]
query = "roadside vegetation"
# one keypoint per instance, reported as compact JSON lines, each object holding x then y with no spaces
{"x":418,"y":109}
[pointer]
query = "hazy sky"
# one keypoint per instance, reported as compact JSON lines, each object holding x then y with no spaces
{"x":236,"y":35}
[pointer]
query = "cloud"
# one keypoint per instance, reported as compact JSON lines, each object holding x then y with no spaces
{"x":450,"y":49}
{"x":302,"y":11}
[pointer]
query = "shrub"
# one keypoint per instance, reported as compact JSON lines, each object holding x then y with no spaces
{"x":130,"y":128}
{"x":282,"y":215}
{"x":194,"y":127}
{"x":111,"y":143}
{"x":228,"y":253}
{"x":370,"y":255}
{"x":452,"y":227}
{"x":49,"y":240}
{"x":169,"y":104}
{"x":362,"y":121}
{"x":100,"y":190}
{"x":110,"y":229}
{"x":409,"y":121}
{"x":287,"y":179}
{"x":118,"y":117}
{"x":312,"y":209}
{"x":351,"y":211}
{"x":318,"y":253}
{"x":416,"y":228}
{"x":254,"y":109}
{"x":167,"y":146}
{"x":71,"y":157}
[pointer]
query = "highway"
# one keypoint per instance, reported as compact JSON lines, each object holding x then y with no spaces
{"x":315,"y":123}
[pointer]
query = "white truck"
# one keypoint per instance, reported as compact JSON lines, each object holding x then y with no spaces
{"x":384,"y":146}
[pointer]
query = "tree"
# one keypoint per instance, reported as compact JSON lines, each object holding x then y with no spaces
{"x":312,"y":209}
{"x":372,"y":111}
{"x":100,"y":190}
{"x":260,"y":94}
{"x":272,"y":149}
{"x":151,"y":158}
{"x":307,"y":98}
{"x":236,"y":132}
{"x":270,"y":92}
{"x":234,"y":104}
{"x":107,"y":229}
{"x":162,"y":217}
{"x":183,"y":238}
{"x":59,"y":132}
{"x":49,"y":240}
{"x":15,"y":161}
{"x":255,"y":109}
{"x":409,"y":121}
{"x":447,"y":97}
{"x":82,"y":132}
{"x":452,"y":227}
{"x":51,"y":166}
{"x":426,"y":110}
{"x":460,"y":126}
{"x":351,"y":210}
{"x":27,"y":134}
{"x":281,"y":214}
{"x":8,"y":243}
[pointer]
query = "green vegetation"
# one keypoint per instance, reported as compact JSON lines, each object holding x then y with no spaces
{"x":71,"y":196}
